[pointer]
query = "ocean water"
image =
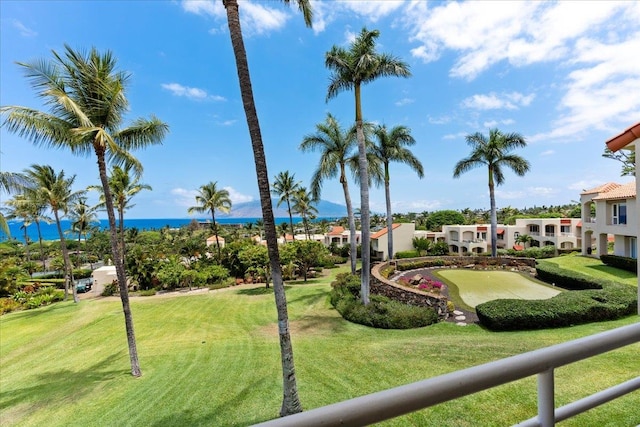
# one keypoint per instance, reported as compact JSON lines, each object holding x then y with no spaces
{"x":50,"y":231}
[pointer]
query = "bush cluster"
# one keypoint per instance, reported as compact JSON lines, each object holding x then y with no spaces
{"x":591,"y":300}
{"x":621,"y":262}
{"x":423,"y":263}
{"x":381,"y":312}
{"x":535,"y":252}
{"x":407,"y":254}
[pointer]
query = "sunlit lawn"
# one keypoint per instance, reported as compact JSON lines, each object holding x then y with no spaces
{"x":213,"y":360}
{"x":594,"y":267}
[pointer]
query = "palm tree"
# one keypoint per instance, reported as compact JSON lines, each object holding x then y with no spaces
{"x":9,"y":182}
{"x":123,"y":188}
{"x":291,"y":401}
{"x":335,"y":146}
{"x":82,"y":215}
{"x":303,"y":205}
{"x":494,"y":153}
{"x":17,"y":207}
{"x":86,"y":96}
{"x":55,"y":190}
{"x":37,"y":208}
{"x":210,"y":199}
{"x":285,"y":186}
{"x":352,"y":68}
{"x":390,"y":147}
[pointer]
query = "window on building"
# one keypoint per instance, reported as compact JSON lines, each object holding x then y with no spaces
{"x":619,"y":215}
{"x":565,"y":229}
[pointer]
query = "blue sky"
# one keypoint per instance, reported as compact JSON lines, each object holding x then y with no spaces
{"x":565,"y":75}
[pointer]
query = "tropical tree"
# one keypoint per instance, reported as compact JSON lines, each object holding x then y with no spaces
{"x":291,"y":401}
{"x":82,"y":216}
{"x":627,"y":159}
{"x":124,"y":186}
{"x":210,"y":199}
{"x":86,"y":97}
{"x":494,"y":153}
{"x":37,"y":208}
{"x":303,"y":205}
{"x":335,"y":146}
{"x":55,"y":190}
{"x":285,"y":185}
{"x":17,"y":207}
{"x":352,"y":68}
{"x":525,"y":239}
{"x":9,"y":181}
{"x":390,"y":146}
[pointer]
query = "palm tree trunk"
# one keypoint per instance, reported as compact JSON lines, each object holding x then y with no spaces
{"x":121,"y":230}
{"x":293,"y":235}
{"x":215,"y":231}
{"x":68,"y":270}
{"x":291,"y":401}
{"x":364,"y":202}
{"x":353,"y":251}
{"x":494,"y":217}
{"x":42,"y":257}
{"x":26,"y":244}
{"x":120,"y":273}
{"x":387,"y":195}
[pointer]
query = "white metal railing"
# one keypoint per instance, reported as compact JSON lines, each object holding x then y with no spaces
{"x":401,"y":400}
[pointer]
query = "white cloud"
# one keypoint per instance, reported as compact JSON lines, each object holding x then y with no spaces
{"x":510,"y":194}
{"x":415,"y":205}
{"x":521,"y":33}
{"x":493,"y":123}
{"x":24,"y":31}
{"x":190,"y":92}
{"x":237,"y":197}
{"x":542,"y":191}
{"x":204,"y":7}
{"x":184,"y":197}
{"x":404,"y":101}
{"x":373,"y":10}
{"x":493,"y":101}
{"x":256,"y":18}
{"x":439,"y":120}
{"x":585,"y":185}
{"x":547,"y":153}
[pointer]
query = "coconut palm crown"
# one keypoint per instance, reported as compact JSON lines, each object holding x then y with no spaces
{"x":495,"y":154}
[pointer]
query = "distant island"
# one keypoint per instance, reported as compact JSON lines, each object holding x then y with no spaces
{"x":252,"y":209}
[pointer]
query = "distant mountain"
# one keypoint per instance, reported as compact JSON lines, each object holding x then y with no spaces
{"x":253,"y":210}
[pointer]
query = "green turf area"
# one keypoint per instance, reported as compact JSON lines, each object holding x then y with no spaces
{"x":476,"y":287}
{"x":213,"y":360}
{"x":593,"y":267}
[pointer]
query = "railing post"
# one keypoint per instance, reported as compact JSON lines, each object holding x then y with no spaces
{"x":546,"y":401}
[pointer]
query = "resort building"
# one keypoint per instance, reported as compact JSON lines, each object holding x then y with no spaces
{"x":616,"y":219}
{"x":564,"y":233}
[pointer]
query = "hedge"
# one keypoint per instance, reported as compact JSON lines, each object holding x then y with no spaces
{"x":381,"y":312}
{"x":591,"y":300}
{"x":621,"y":262}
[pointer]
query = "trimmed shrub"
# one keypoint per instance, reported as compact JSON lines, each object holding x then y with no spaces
{"x":621,"y":262}
{"x":591,"y":300}
{"x":407,"y":254}
{"x":567,"y":279}
{"x":381,"y":312}
{"x":387,"y":271}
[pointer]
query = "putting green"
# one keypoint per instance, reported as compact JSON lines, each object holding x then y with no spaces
{"x":476,"y":287}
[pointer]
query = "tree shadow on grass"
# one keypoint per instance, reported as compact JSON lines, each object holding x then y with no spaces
{"x":612,"y":271}
{"x":59,"y":387}
{"x":219,"y":415}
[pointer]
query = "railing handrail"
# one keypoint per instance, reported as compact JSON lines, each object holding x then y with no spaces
{"x":408,"y":398}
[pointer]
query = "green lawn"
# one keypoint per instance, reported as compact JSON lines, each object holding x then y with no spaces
{"x":476,"y":287}
{"x":594,"y":267}
{"x":213,"y":360}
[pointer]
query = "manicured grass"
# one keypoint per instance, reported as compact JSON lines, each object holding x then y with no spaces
{"x":476,"y":287}
{"x":213,"y":360}
{"x":593,"y":267}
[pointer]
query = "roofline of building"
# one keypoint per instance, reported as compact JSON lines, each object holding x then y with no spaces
{"x":625,"y":138}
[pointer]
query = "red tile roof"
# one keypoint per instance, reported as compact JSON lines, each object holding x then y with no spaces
{"x":602,"y":188}
{"x":626,"y":191}
{"x":383,"y":231}
{"x":336,"y":230}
